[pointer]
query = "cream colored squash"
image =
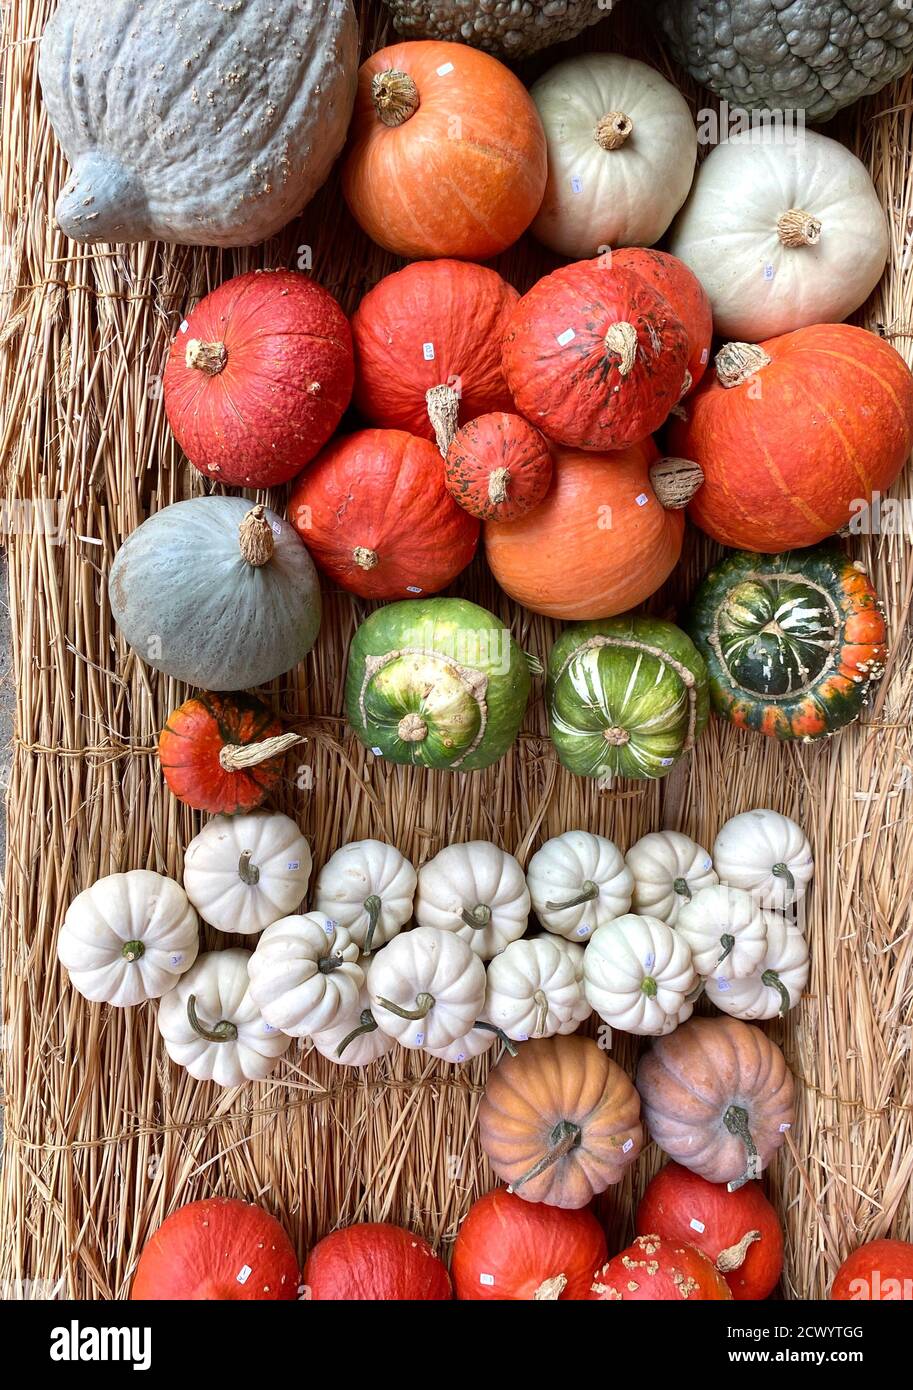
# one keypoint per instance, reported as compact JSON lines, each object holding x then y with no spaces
{"x":572,"y":949}
{"x":578,"y":881}
{"x":726,"y":932}
{"x":305,"y":974}
{"x":775,"y":986}
{"x":367,"y":887}
{"x":479,"y":1040}
{"x":622,"y":146}
{"x":767,"y":854}
{"x":427,"y":987}
{"x":355,"y":1039}
{"x":476,"y":891}
{"x":668,"y":868}
{"x":243,"y":872}
{"x":639,"y":976}
{"x":534,"y":990}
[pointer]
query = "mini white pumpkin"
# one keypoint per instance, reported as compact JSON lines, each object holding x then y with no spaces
{"x":244,"y":872}
{"x":304,"y":974}
{"x":427,"y":987}
{"x":668,"y":868}
{"x":368,"y":888}
{"x":481,"y":1037}
{"x":128,"y":938}
{"x":639,"y":976}
{"x":534,"y":990}
{"x":476,"y":891}
{"x":577,"y":882}
{"x":212,"y":1027}
{"x":572,"y":949}
{"x":775,"y":986}
{"x":767,"y":854}
{"x":355,"y":1039}
{"x":726,"y":932}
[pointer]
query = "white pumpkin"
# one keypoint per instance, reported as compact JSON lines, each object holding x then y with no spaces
{"x":578,"y":881}
{"x":782,"y":234}
{"x":775,"y":986}
{"x":368,"y":888}
{"x":355,"y":1039}
{"x":668,"y":868}
{"x":767,"y":854}
{"x":427,"y":987}
{"x":244,"y":872}
{"x":304,"y":974}
{"x":726,"y":931}
{"x":534,"y":990}
{"x":128,"y":938}
{"x":571,"y":949}
{"x":476,"y":891}
{"x":480,"y":1039}
{"x":639,"y":976}
{"x":212,"y":1027}
{"x":622,"y":147}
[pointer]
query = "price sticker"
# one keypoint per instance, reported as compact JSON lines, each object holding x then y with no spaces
{"x":642,"y":499}
{"x":576,"y":185}
{"x":413,"y":589}
{"x":697,"y":1225}
{"x":566,"y":337}
{"x":378,"y":752}
{"x":488,"y":1280}
{"x":243,"y":1274}
{"x":428,"y":351}
{"x":444,"y":69}
{"x":627,"y":1146}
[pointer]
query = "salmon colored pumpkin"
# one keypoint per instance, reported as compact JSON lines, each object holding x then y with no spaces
{"x":685,"y":293}
{"x":595,"y":357}
{"x":258,"y":377}
{"x":375,"y":515}
{"x":738,"y":1231}
{"x":217,"y":1249}
{"x":881,"y":1271}
{"x":374,"y":1262}
{"x":446,"y":152}
{"x":498,"y":467}
{"x":223,"y":753}
{"x":655,"y":1269}
{"x":792,"y":432}
{"x":511,"y":1250}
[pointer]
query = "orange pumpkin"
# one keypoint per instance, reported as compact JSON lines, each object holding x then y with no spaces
{"x":689,"y":300}
{"x":498,"y":467}
{"x":446,"y":152}
{"x":223,"y":753}
{"x":881,"y":1271}
{"x":658,"y":1270}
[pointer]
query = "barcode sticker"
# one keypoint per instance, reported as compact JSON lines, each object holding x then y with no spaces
{"x":244,"y":1274}
{"x":443,"y":70}
{"x":697,"y":1225}
{"x":428,"y":351}
{"x":566,"y":337}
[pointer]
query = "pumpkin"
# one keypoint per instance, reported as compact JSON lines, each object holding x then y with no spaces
{"x":607,"y":535}
{"x":428,"y":348}
{"x":718,"y":1097}
{"x":514,"y":1251}
{"x":216,"y":593}
{"x":775,"y":985}
{"x":354,"y":1039}
{"x":477,"y":891}
{"x":212,"y":1027}
{"x":767,"y":855}
{"x":668,"y":869}
{"x":367,"y":887}
{"x":244,"y":872}
{"x":374,"y":1262}
{"x":654,"y":1269}
{"x":377,"y":518}
{"x":626,"y":697}
{"x":510,"y":30}
{"x":446,"y":154}
{"x":578,"y":881}
{"x":427,"y":988}
{"x":881,"y":1271}
{"x":595,"y":357}
{"x":217,"y":1249}
{"x":639,"y":976}
{"x":621,"y":153}
{"x":560,"y":1122}
{"x":479,"y":1039}
{"x":687,"y":298}
{"x":534,"y":991}
{"x":738,"y":1231}
{"x":437,"y":683}
{"x":128,"y":938}
{"x":206,"y":125}
{"x":223,"y":753}
{"x":793,"y":643}
{"x":726,"y":931}
{"x":304,"y":974}
{"x":498,"y":467}
{"x":795,"y":434}
{"x":258,"y":377}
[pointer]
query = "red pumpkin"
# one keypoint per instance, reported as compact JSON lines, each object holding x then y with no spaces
{"x":446,"y":152}
{"x":258,"y":377}
{"x":508,"y":1249}
{"x":658,"y":1270}
{"x":498,"y":467}
{"x":217,"y":1249}
{"x":738,"y":1231}
{"x":377,"y":1263}
{"x":791,"y":433}
{"x":223,"y":753}
{"x":375,"y":515}
{"x":881,"y":1271}
{"x":435,"y":326}
{"x":689,"y":300}
{"x":595,"y":357}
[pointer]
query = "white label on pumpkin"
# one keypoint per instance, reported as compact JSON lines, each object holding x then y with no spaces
{"x":419,"y":1039}
{"x":705,"y":355}
{"x":666,"y":762}
{"x":769,"y":272}
{"x":583,"y":931}
{"x":177,"y":958}
{"x":329,"y":927}
{"x":428,"y":351}
{"x":244,"y":1274}
{"x":566,"y":337}
{"x":523,"y":1038}
{"x":708,"y":863}
{"x":642,"y":499}
{"x":697,"y":1225}
{"x":292,"y":865}
{"x":184,"y":326}
{"x":784,"y":1128}
{"x":650,"y":961}
{"x":627,"y":1146}
{"x":461,"y":1056}
{"x":268,"y":1027}
{"x":378,"y":752}
{"x":722,"y":984}
{"x":488,"y":1280}
{"x":576,"y":185}
{"x":413,"y":589}
{"x":277,"y":528}
{"x":443,"y":70}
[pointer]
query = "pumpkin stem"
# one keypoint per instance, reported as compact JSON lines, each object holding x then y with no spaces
{"x":479,"y":917}
{"x":372,"y":905}
{"x":395,"y":96}
{"x":365,"y":559}
{"x":133,"y":950}
{"x":223,"y":1031}
{"x":248,"y":872}
{"x":728,"y":943}
{"x":613,"y":130}
{"x":564,"y":1137}
{"x":424,"y":1003}
{"x":588,"y":891}
{"x":206,"y":357}
{"x":234,"y":757}
{"x":773,"y":981}
{"x":616,"y":737}
{"x":733,"y":1257}
{"x":255,"y":536}
{"x":443,"y":405}
{"x":498,"y":481}
{"x":736,"y":1121}
{"x":412,"y":728}
{"x":797,"y":228}
{"x":621,"y":342}
{"x":541,"y":1004}
{"x":327,"y":964}
{"x":675,"y":481}
{"x":367,"y":1023}
{"x":648,"y":986}
{"x":550,"y":1290}
{"x":783,"y":871}
{"x":499,"y":1033}
{"x":680,"y":886}
{"x":737,"y":363}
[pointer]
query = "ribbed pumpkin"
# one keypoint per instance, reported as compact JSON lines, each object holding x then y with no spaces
{"x":657,"y":1270}
{"x":217,"y":1249}
{"x":498,"y":467}
{"x":509,"y":1250}
{"x":595,"y":357}
{"x":258,"y":377}
{"x":374,"y":1262}
{"x":685,"y":293}
{"x":375,"y":515}
{"x":790,"y":433}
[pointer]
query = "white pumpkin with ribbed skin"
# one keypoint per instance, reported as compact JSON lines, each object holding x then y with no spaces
{"x":775,"y":985}
{"x":638,"y":975}
{"x":427,"y":987}
{"x":355,"y":1031}
{"x":243,"y":873}
{"x":476,"y":891}
{"x":766,"y":854}
{"x":577,"y":882}
{"x":668,"y":868}
{"x":367,"y":887}
{"x":128,"y":938}
{"x":572,"y":949}
{"x":305,"y":973}
{"x":212,"y":1027}
{"x":475,"y":1043}
{"x":534,"y":990}
{"x":726,"y":931}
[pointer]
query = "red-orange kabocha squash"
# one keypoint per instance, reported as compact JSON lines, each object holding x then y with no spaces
{"x":374,"y":1262}
{"x":258,"y":377}
{"x":498,"y":467}
{"x":223,"y":753}
{"x":689,"y":300}
{"x":511,"y":1250}
{"x":375,"y":515}
{"x":217,"y":1249}
{"x":881,"y":1271}
{"x":446,"y":152}
{"x":654,"y":1269}
{"x":790,"y":433}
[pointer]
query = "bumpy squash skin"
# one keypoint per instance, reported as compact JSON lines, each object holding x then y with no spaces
{"x":654,"y":1269}
{"x":508,"y":30}
{"x":194,"y":736}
